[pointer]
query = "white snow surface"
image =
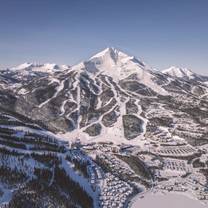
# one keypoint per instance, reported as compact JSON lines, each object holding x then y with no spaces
{"x":170,"y":200}
{"x":45,"y":68}
{"x":119,"y":65}
{"x":179,"y":72}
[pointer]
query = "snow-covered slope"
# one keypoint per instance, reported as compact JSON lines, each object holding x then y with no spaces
{"x":45,"y":68}
{"x":111,"y":103}
{"x":118,"y":65}
{"x":23,"y":74}
{"x":101,"y":98}
{"x":179,"y":72}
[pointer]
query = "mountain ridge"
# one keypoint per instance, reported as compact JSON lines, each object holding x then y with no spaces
{"x":99,"y":87}
{"x":110,"y":51}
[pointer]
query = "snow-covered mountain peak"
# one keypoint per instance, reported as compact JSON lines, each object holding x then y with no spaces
{"x":179,"y":72}
{"x":114,"y":56}
{"x":115,"y":63}
{"x":119,"y":65}
{"x":110,"y":53}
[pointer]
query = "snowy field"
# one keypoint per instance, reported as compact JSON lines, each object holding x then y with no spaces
{"x":163,"y":201}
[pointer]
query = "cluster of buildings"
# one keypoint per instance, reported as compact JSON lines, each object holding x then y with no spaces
{"x":197,"y":183}
{"x":110,"y":176}
{"x":202,"y":194}
{"x":172,"y":186}
{"x":163,"y":136}
{"x":104,"y":147}
{"x":115,"y":164}
{"x":96,"y":174}
{"x":150,"y":160}
{"x":177,"y":165}
{"x":114,"y":193}
{"x":189,"y":125}
{"x":194,"y":184}
{"x":177,"y":151}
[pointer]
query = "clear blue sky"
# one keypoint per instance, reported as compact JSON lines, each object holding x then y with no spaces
{"x":161,"y":32}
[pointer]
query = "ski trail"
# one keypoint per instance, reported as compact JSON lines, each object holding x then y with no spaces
{"x":62,"y":109}
{"x":58,"y":89}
